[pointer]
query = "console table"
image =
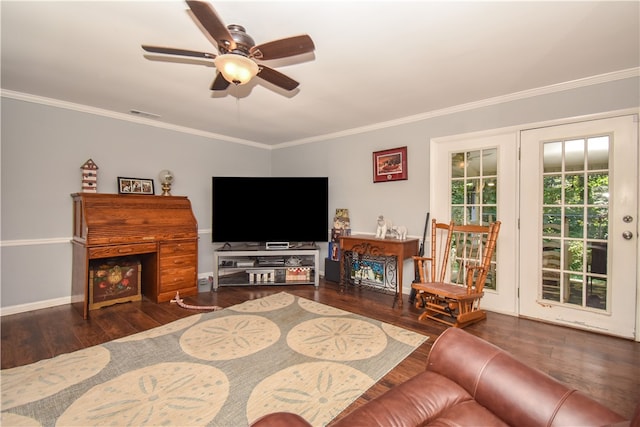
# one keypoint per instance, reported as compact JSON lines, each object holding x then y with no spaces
{"x":161,"y":231}
{"x":367,"y":245}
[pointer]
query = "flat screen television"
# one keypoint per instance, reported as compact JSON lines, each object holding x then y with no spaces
{"x":270,"y":209}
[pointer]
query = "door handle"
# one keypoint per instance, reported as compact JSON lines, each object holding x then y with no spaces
{"x":627,"y":235}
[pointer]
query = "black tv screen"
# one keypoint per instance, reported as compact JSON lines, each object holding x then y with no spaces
{"x":270,"y":209}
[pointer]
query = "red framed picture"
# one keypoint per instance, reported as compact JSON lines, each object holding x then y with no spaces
{"x":390,"y":165}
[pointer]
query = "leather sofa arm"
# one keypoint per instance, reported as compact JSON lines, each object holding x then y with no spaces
{"x":516,"y":393}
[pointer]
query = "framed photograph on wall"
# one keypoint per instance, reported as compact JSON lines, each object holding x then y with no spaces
{"x":135,"y":186}
{"x":390,"y":165}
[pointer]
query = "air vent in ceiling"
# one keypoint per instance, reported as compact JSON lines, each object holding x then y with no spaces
{"x":144,"y":114}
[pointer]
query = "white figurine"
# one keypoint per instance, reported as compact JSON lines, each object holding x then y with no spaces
{"x":383,"y":226}
{"x":399,"y":231}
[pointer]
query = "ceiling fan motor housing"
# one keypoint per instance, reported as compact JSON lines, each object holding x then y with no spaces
{"x":244,"y":42}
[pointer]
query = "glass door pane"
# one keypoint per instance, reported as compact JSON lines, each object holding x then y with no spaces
{"x":474,"y":190}
{"x":575,"y":221}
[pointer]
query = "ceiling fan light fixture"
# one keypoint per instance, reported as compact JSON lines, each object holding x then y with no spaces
{"x":236,"y":69}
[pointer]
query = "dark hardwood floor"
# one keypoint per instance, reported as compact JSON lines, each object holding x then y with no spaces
{"x":604,"y":367}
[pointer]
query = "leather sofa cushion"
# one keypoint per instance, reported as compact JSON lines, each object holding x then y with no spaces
{"x":432,"y":399}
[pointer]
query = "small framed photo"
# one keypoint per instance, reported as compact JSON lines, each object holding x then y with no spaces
{"x":135,"y":186}
{"x":390,"y":165}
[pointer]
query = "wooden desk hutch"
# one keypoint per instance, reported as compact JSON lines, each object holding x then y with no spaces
{"x":160,"y":230}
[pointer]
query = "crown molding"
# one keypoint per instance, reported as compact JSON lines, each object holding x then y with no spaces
{"x":559,"y":87}
{"x":51,"y":102}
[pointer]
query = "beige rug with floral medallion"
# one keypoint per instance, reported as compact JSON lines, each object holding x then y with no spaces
{"x":221,"y":368}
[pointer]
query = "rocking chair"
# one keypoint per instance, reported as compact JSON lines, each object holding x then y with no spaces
{"x":452,"y":279}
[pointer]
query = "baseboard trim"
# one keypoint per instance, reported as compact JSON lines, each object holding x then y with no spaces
{"x":38,"y":305}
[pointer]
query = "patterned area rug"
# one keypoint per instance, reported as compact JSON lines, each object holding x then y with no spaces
{"x":222,"y":368}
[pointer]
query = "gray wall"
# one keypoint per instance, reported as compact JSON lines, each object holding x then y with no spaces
{"x":348,"y":159}
{"x":43,"y":147}
{"x":42,"y":150}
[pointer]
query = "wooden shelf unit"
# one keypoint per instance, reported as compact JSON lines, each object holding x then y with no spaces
{"x":161,"y":230}
{"x":234,"y":267}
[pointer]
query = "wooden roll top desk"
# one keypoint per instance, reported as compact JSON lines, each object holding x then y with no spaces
{"x":161,"y":230}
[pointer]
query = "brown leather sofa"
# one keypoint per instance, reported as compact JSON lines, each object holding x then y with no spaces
{"x":470,"y":382}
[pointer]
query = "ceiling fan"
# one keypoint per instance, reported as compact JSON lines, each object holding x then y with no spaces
{"x":238,"y":53}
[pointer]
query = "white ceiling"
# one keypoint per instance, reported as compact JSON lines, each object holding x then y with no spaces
{"x":375,"y":61}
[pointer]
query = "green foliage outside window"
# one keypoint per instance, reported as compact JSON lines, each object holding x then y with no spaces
{"x":572,"y":211}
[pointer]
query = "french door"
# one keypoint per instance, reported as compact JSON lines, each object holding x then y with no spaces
{"x":579,"y":224}
{"x":473,"y":181}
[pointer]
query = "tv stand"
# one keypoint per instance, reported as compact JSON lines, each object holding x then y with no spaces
{"x":254,"y":266}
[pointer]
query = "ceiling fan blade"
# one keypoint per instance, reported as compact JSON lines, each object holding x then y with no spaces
{"x":219,"y":83}
{"x":283,"y":48}
{"x":277,"y":78}
{"x":212,"y":23}
{"x":181,"y":52}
